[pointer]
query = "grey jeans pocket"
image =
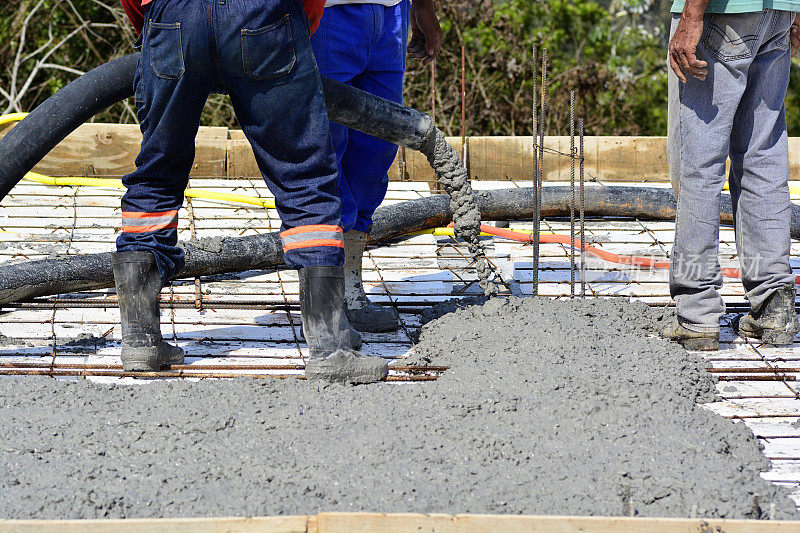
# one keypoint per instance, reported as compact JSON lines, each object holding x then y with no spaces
{"x":166,"y":51}
{"x":781,"y":28}
{"x":268,"y":52}
{"x":733,"y":36}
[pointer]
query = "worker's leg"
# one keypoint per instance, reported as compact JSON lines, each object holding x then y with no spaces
{"x":702,"y":120}
{"x":172,"y":83}
{"x":342,"y":47}
{"x":267,"y":63}
{"x":171,"y":86}
{"x":759,"y":180}
{"x":364,"y":46}
{"x":366,"y":161}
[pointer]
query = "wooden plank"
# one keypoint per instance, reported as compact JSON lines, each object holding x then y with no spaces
{"x":241,"y":161}
{"x":402,"y":523}
{"x":420,"y":523}
{"x":511,"y":158}
{"x":631,"y":158}
{"x":634,"y":159}
{"x":111,"y":149}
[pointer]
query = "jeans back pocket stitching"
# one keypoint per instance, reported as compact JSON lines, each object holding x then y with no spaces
{"x":713,"y":27}
{"x":162,"y":26}
{"x":286,"y":22}
{"x":775,"y":20}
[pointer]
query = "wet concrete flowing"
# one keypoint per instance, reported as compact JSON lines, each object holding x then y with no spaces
{"x":548,"y":408}
{"x":466,"y":216}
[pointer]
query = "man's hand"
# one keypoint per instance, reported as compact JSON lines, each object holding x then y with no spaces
{"x":683,"y":48}
{"x":426,"y":34}
{"x":794,"y":34}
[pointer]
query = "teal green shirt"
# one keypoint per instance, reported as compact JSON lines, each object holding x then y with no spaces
{"x":742,"y":6}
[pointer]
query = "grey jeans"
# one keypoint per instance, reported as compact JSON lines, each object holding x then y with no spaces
{"x":737,"y":112}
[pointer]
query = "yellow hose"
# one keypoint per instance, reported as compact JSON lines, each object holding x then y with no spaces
{"x":13,"y":117}
{"x":266,"y":203}
{"x":74,"y":182}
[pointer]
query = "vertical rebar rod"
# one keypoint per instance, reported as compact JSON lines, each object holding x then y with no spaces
{"x":572,"y":190}
{"x":583,"y":209}
{"x":535,"y":180}
{"x":539,"y":175}
{"x":463,"y":106}
{"x":401,"y":164}
{"x":436,"y":185}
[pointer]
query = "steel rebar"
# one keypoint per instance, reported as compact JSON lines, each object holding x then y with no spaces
{"x":179,"y":374}
{"x":463,"y":107}
{"x":539,"y":175}
{"x":572,"y":190}
{"x":583,"y":211}
{"x":535,"y":180}
{"x":175,"y":368}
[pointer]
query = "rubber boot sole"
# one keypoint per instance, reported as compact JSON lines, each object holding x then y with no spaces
{"x":151,"y":358}
{"x":346,"y":368}
{"x":775,"y":336}
{"x":700,"y":345}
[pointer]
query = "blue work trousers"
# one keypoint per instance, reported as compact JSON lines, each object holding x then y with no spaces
{"x":363,"y":45}
{"x":258,"y":51}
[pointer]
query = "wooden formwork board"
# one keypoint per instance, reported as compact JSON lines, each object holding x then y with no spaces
{"x":111,"y":149}
{"x":404,"y":523}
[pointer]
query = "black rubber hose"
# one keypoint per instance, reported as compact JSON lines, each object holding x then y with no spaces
{"x":58,"y":116}
{"x":381,"y":118}
{"x":72,"y":273}
{"x":50,"y":123}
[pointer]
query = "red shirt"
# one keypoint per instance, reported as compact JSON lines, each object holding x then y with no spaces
{"x":135,"y":12}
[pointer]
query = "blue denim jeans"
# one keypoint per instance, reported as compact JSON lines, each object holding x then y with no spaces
{"x":258,"y":51}
{"x":363,"y":45}
{"x":736,"y":112}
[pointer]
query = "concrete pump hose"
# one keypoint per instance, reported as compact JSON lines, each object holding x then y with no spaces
{"x":53,"y":120}
{"x":64,"y":274}
{"x":58,"y":116}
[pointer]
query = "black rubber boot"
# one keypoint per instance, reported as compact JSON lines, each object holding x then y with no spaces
{"x":355,"y":338}
{"x":363,"y":315}
{"x":327,"y":331}
{"x":138,"y":284}
{"x":775,"y":322}
{"x":691,"y":340}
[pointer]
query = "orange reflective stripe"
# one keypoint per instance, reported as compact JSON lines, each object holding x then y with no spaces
{"x":133,"y":214}
{"x":310,"y":227}
{"x":315,"y":242}
{"x":145,"y":229}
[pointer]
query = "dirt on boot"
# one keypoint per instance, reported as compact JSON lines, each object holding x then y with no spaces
{"x":775,"y":322}
{"x":347,"y":367}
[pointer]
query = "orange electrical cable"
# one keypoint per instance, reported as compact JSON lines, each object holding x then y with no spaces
{"x":621,"y":259}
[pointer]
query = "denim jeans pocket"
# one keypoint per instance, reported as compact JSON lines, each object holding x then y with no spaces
{"x":166,"y":51}
{"x":781,"y":28}
{"x":733,"y":36}
{"x":268,"y":52}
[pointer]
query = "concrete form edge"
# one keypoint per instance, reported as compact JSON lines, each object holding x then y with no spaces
{"x":402,"y":523}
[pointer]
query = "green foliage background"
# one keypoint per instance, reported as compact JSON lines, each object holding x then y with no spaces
{"x":610,"y":52}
